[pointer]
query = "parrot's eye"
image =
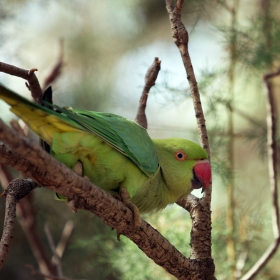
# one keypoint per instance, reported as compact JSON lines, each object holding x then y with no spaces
{"x":180,"y":155}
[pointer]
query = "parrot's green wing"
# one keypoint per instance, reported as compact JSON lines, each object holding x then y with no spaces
{"x":124,"y":135}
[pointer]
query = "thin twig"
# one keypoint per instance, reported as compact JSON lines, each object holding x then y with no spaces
{"x":240,"y":264}
{"x":16,"y":190}
{"x":26,"y":218}
{"x":150,"y":81}
{"x":181,"y":38}
{"x":201,"y":229}
{"x":56,"y":258}
{"x":56,"y":70}
{"x":272,"y":167}
{"x":29,"y":75}
{"x":64,"y":239}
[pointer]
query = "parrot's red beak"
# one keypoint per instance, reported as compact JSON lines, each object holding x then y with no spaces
{"x":202,"y":175}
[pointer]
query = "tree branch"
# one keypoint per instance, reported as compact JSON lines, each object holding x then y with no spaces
{"x":201,"y":213}
{"x":29,"y":75}
{"x":46,"y":171}
{"x":272,"y":168}
{"x":16,"y":190}
{"x":56,"y":70}
{"x":150,"y":81}
{"x":56,"y":258}
{"x":181,"y":38}
{"x":200,"y":216}
{"x":65,"y":236}
{"x":26,"y":216}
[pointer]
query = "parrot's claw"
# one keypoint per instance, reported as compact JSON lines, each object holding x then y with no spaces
{"x":72,"y":205}
{"x":78,"y":168}
{"x":118,"y":236}
{"x":124,"y":195}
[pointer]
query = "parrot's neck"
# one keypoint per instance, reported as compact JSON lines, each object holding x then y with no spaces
{"x":165,"y":187}
{"x":157,"y":194}
{"x":174,"y":186}
{"x":170,"y":183}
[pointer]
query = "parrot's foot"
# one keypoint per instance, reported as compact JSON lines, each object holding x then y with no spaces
{"x":124,"y":195}
{"x":78,"y":168}
{"x":87,"y":178}
{"x":119,"y":236}
{"x":72,"y":205}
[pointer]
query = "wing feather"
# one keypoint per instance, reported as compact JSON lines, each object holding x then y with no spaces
{"x":124,"y":135}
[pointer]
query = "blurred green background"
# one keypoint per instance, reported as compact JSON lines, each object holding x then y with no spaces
{"x":107,"y":47}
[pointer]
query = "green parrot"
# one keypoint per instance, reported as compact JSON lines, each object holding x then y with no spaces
{"x":116,"y":152}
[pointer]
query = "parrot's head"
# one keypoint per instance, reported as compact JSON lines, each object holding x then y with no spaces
{"x":184,"y":164}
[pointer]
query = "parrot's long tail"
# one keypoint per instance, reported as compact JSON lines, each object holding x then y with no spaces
{"x":41,"y":120}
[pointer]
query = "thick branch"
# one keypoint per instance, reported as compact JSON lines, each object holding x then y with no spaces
{"x":45,"y":170}
{"x":201,"y":227}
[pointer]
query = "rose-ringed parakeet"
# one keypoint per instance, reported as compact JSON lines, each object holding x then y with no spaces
{"x":116,"y":152}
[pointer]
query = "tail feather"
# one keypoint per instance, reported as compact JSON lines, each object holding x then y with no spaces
{"x":41,"y":120}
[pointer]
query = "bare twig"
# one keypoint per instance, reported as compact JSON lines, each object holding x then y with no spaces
{"x":56,"y":258}
{"x":150,"y":80}
{"x":56,"y":70}
{"x":26,"y":216}
{"x":15,"y":191}
{"x":199,"y":210}
{"x":241,"y":261}
{"x":28,"y":75}
{"x":180,"y":37}
{"x":65,"y":236}
{"x":272,"y":167}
